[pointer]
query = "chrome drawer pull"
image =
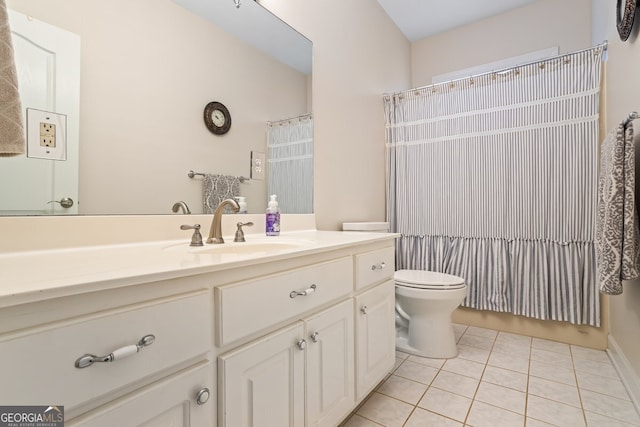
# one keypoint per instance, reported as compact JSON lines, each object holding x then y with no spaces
{"x":117,"y":354}
{"x":314,"y":336}
{"x":306,"y":292}
{"x":302,"y":344}
{"x":379,"y":266}
{"x":364,"y":310}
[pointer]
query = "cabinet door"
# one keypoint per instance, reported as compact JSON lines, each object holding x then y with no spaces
{"x":375,"y":336}
{"x":176,"y":401}
{"x":262,"y":383}
{"x":330,"y":365}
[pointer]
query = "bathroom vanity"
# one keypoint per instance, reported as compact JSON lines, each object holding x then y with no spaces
{"x":292,"y":330}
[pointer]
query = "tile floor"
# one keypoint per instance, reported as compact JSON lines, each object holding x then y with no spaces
{"x":500,"y":379}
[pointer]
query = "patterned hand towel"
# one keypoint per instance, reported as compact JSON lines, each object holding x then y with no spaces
{"x":12,"y":141}
{"x":216,"y":188}
{"x":617,"y":234}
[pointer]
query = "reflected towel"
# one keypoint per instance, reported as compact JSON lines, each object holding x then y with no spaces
{"x":12,"y":140}
{"x":216,"y":188}
{"x":617,"y":235}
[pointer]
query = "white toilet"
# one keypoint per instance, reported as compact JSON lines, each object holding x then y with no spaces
{"x":424,"y":303}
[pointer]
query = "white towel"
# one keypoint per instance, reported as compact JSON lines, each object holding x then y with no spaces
{"x":12,"y":140}
{"x":216,"y":188}
{"x":617,"y":234}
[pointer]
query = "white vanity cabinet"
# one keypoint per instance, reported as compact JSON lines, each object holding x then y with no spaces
{"x":339,"y":342}
{"x":330,"y":365}
{"x":302,"y":374}
{"x":375,"y":317}
{"x":375,"y":336}
{"x":178,"y":400}
{"x":263,"y":383}
{"x":162,"y":359}
{"x":137,"y":335}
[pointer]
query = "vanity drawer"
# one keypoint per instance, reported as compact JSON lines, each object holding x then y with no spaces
{"x":43,"y":362}
{"x":245,"y":308}
{"x":375,"y":266}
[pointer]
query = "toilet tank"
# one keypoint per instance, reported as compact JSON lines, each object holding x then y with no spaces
{"x":369,"y":227}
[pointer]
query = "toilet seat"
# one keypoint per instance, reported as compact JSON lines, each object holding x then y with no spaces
{"x":420,"y":279}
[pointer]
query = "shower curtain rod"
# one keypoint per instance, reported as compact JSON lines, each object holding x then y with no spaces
{"x":303,"y":116}
{"x":603,"y":46}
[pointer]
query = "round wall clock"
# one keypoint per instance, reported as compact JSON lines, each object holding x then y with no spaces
{"x":217,"y":118}
{"x":625,"y":15}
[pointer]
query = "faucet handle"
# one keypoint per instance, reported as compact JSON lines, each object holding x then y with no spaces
{"x":239,"y":233}
{"x":196,"y":238}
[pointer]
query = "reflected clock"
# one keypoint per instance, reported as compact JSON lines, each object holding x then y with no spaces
{"x":217,"y":118}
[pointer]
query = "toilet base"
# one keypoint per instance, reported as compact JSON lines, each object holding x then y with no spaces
{"x":441,"y":347}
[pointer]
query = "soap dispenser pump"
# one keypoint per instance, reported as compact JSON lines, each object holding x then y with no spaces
{"x":273,"y":217}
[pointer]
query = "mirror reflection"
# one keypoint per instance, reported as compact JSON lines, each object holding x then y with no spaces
{"x":134,"y":123}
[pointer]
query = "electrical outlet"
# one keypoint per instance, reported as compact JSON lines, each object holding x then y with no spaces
{"x":258,"y":165}
{"x":47,"y":134}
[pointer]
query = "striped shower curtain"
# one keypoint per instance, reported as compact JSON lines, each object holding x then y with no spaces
{"x":494,"y":179}
{"x":290,"y":164}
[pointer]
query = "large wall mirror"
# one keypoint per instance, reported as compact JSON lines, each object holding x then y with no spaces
{"x":137,"y":79}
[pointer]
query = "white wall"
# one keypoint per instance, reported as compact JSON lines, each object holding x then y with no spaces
{"x":537,"y":26}
{"x":148,"y":69}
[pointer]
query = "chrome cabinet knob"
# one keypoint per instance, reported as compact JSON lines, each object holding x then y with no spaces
{"x":314,"y":336}
{"x":302,"y":344}
{"x":363,"y":310}
{"x":203,"y":396}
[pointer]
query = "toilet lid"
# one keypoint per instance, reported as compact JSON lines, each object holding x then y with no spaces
{"x":427,"y":279}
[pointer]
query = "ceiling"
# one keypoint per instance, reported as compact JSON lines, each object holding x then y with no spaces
{"x":418,"y":19}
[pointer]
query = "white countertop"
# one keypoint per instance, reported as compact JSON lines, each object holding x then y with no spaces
{"x":30,"y":276}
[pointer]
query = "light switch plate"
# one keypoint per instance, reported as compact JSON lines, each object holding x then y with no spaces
{"x":258,"y":165}
{"x":46,"y":135}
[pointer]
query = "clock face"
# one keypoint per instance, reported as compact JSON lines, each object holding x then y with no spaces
{"x":217,"y":118}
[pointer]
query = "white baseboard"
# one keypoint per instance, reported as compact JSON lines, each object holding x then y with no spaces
{"x":626,"y":372}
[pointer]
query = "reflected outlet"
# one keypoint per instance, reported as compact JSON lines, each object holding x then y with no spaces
{"x":258,"y":165}
{"x":46,"y":135}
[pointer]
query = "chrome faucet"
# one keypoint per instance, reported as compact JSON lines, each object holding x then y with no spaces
{"x":180,"y":205}
{"x":215,"y":232}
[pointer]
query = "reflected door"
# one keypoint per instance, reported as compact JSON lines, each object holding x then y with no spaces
{"x":48,"y":66}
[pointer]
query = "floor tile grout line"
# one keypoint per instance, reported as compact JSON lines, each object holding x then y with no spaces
{"x":526,"y":395}
{"x":473,"y":399}
{"x":575,"y":374}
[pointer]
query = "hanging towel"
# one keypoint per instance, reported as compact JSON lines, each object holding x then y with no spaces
{"x":617,"y":235}
{"x":216,"y":188}
{"x":12,"y":140}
